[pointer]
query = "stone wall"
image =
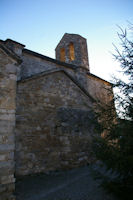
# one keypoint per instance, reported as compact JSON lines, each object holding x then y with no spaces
{"x":99,"y":89}
{"x":34,"y":64}
{"x":7,"y":125}
{"x":53,"y":124}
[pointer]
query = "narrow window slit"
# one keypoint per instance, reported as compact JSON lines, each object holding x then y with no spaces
{"x":62,"y":54}
{"x":71,"y":51}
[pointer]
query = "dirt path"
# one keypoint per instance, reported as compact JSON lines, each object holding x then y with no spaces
{"x":75,"y":184}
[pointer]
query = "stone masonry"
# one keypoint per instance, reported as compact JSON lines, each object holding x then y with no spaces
{"x":8,"y":77}
{"x":46,"y":109}
{"x":53,"y":119}
{"x":80,"y":50}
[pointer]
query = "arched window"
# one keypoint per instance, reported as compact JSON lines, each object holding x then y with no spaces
{"x":71,"y":51}
{"x":62,"y":54}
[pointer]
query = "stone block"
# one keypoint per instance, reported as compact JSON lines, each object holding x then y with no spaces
{"x":6,"y":164}
{"x":7,"y":179}
{"x":7,"y":138}
{"x":13,"y":77}
{"x":7,"y":147}
{"x":10,"y":68}
{"x":7,"y":116}
{"x":4,"y":124}
{"x":2,"y":157}
{"x":6,"y":170}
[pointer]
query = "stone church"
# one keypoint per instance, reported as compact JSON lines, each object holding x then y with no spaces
{"x":46,"y":109}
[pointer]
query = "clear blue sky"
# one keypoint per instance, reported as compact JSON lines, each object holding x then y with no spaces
{"x":40,"y":24}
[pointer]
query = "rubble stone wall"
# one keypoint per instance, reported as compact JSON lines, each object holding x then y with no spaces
{"x":53,"y":124}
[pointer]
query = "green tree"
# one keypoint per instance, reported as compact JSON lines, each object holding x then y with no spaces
{"x":115,"y":149}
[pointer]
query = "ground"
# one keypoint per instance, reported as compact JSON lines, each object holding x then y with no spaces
{"x":75,"y":184}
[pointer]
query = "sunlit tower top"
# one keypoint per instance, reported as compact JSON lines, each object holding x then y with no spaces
{"x":72,"y":49}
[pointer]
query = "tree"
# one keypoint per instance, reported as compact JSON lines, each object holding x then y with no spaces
{"x":115,"y":149}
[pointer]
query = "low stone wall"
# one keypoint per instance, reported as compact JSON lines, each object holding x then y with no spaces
{"x":53,"y":124}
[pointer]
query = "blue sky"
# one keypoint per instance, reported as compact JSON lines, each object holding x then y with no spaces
{"x":40,"y":24}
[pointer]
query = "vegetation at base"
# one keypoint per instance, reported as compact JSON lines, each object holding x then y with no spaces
{"x":115,"y":148}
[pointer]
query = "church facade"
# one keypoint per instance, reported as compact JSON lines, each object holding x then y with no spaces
{"x":46,"y":109}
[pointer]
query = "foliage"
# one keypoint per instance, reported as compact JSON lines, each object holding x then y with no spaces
{"x":115,"y":149}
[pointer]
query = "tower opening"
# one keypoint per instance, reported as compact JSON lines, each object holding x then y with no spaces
{"x":71,"y":51}
{"x":62,"y":54}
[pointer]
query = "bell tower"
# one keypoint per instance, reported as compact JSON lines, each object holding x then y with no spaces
{"x":72,"y":49}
